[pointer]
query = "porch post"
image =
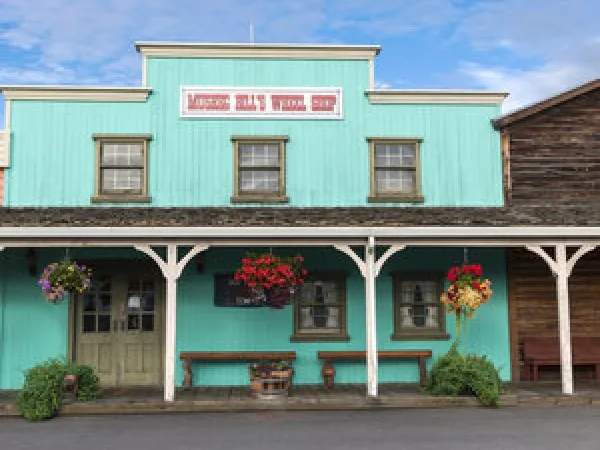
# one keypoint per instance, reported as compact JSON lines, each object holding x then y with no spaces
{"x":371,"y":316}
{"x":562,"y":269}
{"x":564,"y":321}
{"x":369,"y":269}
{"x":171,"y":270}
{"x":170,"y":323}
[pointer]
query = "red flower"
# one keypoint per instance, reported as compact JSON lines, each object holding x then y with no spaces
{"x":476,"y":285}
{"x":451,"y":276}
{"x":304,"y":272}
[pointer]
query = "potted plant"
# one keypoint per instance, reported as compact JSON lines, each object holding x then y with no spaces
{"x":272,"y":279}
{"x":271,"y":379}
{"x":466,"y":293}
{"x":60,"y":278}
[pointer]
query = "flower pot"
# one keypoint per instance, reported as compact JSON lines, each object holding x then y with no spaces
{"x":270,"y":385}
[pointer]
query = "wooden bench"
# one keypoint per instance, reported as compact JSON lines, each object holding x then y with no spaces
{"x":545,"y":351}
{"x":188,"y":357}
{"x":329,"y":357}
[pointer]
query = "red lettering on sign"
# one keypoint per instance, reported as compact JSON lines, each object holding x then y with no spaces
{"x":322,"y":102}
{"x":262,"y":101}
{"x":208,"y":102}
{"x":245,"y":102}
{"x":288,"y":102}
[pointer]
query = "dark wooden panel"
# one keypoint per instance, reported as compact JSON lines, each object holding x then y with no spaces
{"x":554,"y":156}
{"x":381,"y":354}
{"x":236,"y":356}
{"x":533,"y":305}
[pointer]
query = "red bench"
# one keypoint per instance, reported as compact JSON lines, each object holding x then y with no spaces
{"x":545,"y":351}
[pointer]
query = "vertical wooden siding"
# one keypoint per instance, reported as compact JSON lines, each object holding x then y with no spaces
{"x":191,"y":160}
{"x":533,"y":304}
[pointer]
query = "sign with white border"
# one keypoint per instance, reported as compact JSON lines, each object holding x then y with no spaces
{"x":261,"y":102}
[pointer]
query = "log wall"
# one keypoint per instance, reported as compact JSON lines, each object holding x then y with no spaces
{"x":533,"y":305}
{"x":555,"y":155}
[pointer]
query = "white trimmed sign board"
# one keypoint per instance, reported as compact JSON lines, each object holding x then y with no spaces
{"x":261,"y":102}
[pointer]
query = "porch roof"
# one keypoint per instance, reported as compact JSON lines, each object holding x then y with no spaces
{"x":533,"y":216}
{"x":500,"y":226}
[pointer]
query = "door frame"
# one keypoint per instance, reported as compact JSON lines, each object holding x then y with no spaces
{"x":135,"y":267}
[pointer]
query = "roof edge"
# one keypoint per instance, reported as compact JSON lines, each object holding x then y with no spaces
{"x":543,"y":105}
{"x":435,"y":96}
{"x":93,"y":93}
{"x":252,"y":50}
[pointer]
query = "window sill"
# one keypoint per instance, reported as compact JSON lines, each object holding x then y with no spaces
{"x":259,"y":199}
{"x":396,"y":199}
{"x":320,"y":338}
{"x":121,"y":199}
{"x":420,"y":337}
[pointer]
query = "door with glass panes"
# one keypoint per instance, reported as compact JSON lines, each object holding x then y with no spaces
{"x":119,"y":330}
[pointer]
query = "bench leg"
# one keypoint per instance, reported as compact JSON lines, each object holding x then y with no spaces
{"x":328,"y":373}
{"x":422,"y":371}
{"x":597,"y":370}
{"x":535,"y":372}
{"x":187,"y":374}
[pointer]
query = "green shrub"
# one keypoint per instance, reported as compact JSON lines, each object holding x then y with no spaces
{"x":42,"y":393}
{"x":455,"y":374}
{"x":41,"y":396}
{"x":88,"y":384}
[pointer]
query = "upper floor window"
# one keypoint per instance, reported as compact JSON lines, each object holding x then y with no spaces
{"x":395,"y":170}
{"x":259,"y":172}
{"x":320,"y":309}
{"x":121,"y":168}
{"x":418,"y":313}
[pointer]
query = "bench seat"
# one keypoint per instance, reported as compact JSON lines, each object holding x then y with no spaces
{"x":329,"y":356}
{"x":188,"y":357}
{"x":545,"y":351}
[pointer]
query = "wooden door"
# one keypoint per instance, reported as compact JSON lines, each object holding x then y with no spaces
{"x":140,"y":336}
{"x":119,"y":330}
{"x":96,"y":338}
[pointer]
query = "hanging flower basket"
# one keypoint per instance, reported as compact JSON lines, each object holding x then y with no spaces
{"x":466,"y":293}
{"x":60,"y":278}
{"x":272,"y":279}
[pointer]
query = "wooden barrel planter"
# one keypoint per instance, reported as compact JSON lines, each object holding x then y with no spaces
{"x":270,"y":385}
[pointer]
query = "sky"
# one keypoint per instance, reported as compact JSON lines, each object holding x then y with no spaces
{"x":530,"y":48}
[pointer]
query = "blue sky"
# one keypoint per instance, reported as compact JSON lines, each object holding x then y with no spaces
{"x":530,"y":48}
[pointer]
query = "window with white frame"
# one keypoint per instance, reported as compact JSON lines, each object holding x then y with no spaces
{"x":320,"y":309}
{"x":395,"y":170}
{"x":417,"y":308}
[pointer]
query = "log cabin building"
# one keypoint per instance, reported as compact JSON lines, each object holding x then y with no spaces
{"x":551,"y":154}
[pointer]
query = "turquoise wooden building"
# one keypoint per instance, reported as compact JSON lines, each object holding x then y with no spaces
{"x":226,"y":149}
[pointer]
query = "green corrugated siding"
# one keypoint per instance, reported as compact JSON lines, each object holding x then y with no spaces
{"x":191,"y":160}
{"x":33,"y":330}
{"x":203,"y":327}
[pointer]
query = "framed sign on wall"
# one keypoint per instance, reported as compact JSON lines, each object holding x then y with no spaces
{"x":261,"y":102}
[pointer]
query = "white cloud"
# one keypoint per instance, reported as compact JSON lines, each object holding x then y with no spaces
{"x":556,"y":41}
{"x":100,"y":34}
{"x":526,"y":86}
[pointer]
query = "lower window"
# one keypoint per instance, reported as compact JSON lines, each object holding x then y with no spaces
{"x":320,"y":309}
{"x":418,"y":313}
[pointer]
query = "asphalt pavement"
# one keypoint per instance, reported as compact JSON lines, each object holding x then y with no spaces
{"x":576,"y":428}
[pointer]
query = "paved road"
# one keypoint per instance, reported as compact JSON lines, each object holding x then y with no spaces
{"x":448,"y":429}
